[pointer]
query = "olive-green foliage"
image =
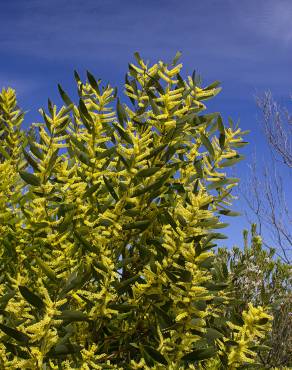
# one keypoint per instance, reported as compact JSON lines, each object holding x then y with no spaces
{"x":258,"y":277}
{"x":108,"y":217}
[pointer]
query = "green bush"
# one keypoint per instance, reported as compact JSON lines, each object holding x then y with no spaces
{"x":108,"y":217}
{"x":257,"y":277}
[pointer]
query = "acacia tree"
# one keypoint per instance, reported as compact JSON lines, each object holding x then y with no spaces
{"x":108,"y":217}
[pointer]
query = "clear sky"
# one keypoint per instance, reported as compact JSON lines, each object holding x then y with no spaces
{"x":246,"y":44}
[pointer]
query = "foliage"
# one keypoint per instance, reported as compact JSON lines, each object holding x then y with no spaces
{"x":260,"y":279}
{"x":108,"y":217}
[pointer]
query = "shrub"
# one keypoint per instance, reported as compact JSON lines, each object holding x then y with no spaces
{"x":257,"y":277}
{"x":108,"y":218}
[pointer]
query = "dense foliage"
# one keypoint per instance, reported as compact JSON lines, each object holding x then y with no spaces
{"x":108,"y":217}
{"x":257,"y":277}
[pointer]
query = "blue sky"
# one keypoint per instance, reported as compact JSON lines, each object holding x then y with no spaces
{"x":247,"y":45}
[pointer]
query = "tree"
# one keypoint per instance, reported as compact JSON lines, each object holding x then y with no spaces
{"x":266,"y":191}
{"x":257,"y":277}
{"x":108,"y":218}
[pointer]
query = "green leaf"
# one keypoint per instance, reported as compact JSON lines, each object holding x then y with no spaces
{"x":4,"y":153}
{"x":198,"y":167}
{"x":93,"y":83}
{"x":221,"y":183}
{"x":163,"y":315}
{"x":212,"y":85}
{"x":199,"y":354}
{"x":231,"y":161}
{"x":207,"y":143}
{"x":83,"y":240}
{"x":176,"y":58}
{"x":36,"y":151}
{"x":124,"y":284}
{"x":156,"y":151}
{"x":29,"y":178}
{"x":90,"y":190}
{"x":220,"y":125}
{"x":6,"y":298}
{"x":212,"y":334}
{"x":83,"y":157}
{"x":67,"y":221}
{"x":46,"y":269}
{"x":124,"y":135}
{"x":148,"y":172}
{"x":79,"y":144}
{"x":85,"y":116}
{"x":154,"y":186}
{"x":64,"y":96}
{"x":63,"y":350}
{"x":142,"y":225}
{"x":227,"y":212}
{"x":31,"y":297}
{"x":263,"y":321}
{"x":52,"y":160}
{"x":121,"y":113}
{"x":31,"y":161}
{"x":110,"y":188}
{"x":16,"y":351}
{"x":154,"y":107}
{"x":155,"y":355}
{"x":138,"y":57}
{"x":77,"y":77}
{"x":108,"y":153}
{"x":68,"y":315}
{"x":222,"y":138}
{"x":15,"y":334}
{"x":169,"y":219}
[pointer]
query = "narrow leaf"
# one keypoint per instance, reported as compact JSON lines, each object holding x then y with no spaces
{"x":31,"y":297}
{"x":15,"y":334}
{"x":29,"y":178}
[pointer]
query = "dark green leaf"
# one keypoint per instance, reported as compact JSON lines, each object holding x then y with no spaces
{"x":227,"y":212}
{"x":221,"y":183}
{"x":90,"y":190}
{"x":31,"y":297}
{"x":106,"y":153}
{"x":142,"y":225}
{"x":70,"y":316}
{"x":212,"y":334}
{"x":220,"y":125}
{"x":199,"y":354}
{"x":124,"y":135}
{"x":31,"y":161}
{"x":155,"y":355}
{"x":231,"y":161}
{"x":36,"y":151}
{"x":207,"y":143}
{"x":15,"y":334}
{"x":6,"y":298}
{"x":121,"y":113}
{"x":93,"y":83}
{"x":148,"y":171}
{"x":64,"y":96}
{"x":124,"y":284}
{"x":263,"y":321}
{"x":52,"y":160}
{"x":29,"y":178}
{"x":46,"y":269}
{"x":198,"y":166}
{"x":156,"y":151}
{"x":110,"y":188}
